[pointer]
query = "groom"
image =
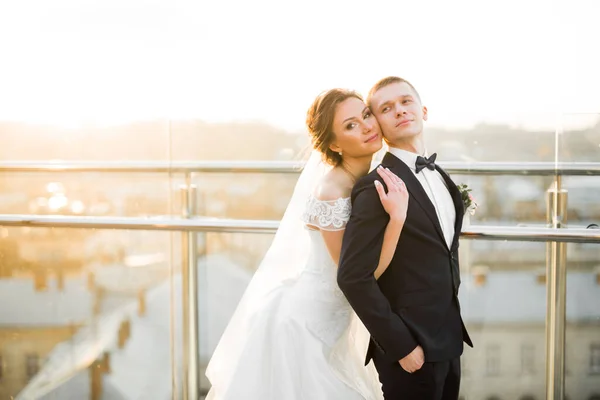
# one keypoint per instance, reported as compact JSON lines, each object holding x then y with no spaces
{"x":412,"y":311}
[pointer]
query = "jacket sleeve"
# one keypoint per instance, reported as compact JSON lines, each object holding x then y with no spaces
{"x":361,"y":248}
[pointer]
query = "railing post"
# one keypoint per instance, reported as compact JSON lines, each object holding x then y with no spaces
{"x":556,"y":294}
{"x":191,"y":339}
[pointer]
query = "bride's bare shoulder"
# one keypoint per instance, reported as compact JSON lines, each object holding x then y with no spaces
{"x":333,"y":185}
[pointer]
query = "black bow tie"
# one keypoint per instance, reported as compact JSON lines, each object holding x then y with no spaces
{"x":423,"y":162}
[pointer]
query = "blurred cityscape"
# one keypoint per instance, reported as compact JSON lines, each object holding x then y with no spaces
{"x":97,"y":314}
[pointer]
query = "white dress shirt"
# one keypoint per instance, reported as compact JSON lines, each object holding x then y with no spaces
{"x":434,"y":185}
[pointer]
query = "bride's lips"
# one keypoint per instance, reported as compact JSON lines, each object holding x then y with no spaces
{"x":372,"y":137}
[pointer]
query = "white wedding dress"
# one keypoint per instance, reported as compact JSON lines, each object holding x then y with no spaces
{"x":305,"y":342}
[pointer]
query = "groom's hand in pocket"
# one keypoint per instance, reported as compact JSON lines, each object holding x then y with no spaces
{"x":414,"y":361}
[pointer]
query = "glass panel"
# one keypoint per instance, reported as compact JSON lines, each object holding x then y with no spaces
{"x":507,"y":200}
{"x":78,"y":318}
{"x":578,"y":140}
{"x":503,"y":302}
{"x":99,"y":194}
{"x":583,"y":321}
{"x":225,"y":269}
{"x":90,"y":310}
{"x":244,"y":195}
{"x":483,"y":141}
{"x":503,"y":299}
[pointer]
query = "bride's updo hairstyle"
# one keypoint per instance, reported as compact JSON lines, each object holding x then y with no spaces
{"x":319,"y":121}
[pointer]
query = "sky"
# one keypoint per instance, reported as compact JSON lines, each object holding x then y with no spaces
{"x":529,"y":63}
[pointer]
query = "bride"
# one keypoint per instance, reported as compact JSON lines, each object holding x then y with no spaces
{"x":294,"y":336}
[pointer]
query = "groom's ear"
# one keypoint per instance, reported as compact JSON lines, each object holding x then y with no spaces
{"x":425,"y":114}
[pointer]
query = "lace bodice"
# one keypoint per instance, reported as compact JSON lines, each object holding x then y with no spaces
{"x":329,"y":215}
{"x":319,"y":276}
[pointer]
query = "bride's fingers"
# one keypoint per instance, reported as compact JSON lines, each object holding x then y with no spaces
{"x":380,"y":190}
{"x":386,"y":178}
{"x":392,"y":175}
{"x":399,"y":182}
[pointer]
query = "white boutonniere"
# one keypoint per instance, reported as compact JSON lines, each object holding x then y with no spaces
{"x":467,"y":198}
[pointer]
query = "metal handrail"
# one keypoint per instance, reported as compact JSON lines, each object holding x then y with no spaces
{"x":153,"y":166}
{"x":453,"y":167}
{"x":220,"y":225}
{"x":137,"y":223}
{"x":556,"y":235}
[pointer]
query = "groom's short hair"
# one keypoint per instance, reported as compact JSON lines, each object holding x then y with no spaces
{"x":388,"y":81}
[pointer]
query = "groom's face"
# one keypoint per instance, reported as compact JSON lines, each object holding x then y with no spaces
{"x":399,"y":111}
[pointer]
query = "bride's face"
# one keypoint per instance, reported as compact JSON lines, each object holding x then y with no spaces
{"x":357,"y":133}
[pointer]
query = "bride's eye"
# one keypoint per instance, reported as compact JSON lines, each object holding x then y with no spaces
{"x":351,"y":125}
{"x":368,"y":114}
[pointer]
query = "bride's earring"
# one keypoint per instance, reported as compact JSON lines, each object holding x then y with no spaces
{"x":340,"y":153}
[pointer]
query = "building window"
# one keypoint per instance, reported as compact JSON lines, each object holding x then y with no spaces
{"x":528,"y":359}
{"x":492,"y":360}
{"x":595,"y":358}
{"x":32,"y":365}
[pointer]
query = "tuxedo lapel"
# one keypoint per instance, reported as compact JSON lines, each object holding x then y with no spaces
{"x":415,"y":189}
{"x":458,"y":205}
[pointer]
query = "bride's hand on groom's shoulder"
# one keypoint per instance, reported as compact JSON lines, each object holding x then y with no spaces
{"x":414,"y":361}
{"x":395,"y":201}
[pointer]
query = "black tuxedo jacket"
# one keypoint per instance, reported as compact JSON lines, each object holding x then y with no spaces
{"x":415,"y":301}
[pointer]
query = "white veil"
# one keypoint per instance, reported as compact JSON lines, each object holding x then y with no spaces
{"x":284,"y":260}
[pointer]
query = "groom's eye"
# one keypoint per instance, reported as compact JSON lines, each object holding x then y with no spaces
{"x":385,"y":109}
